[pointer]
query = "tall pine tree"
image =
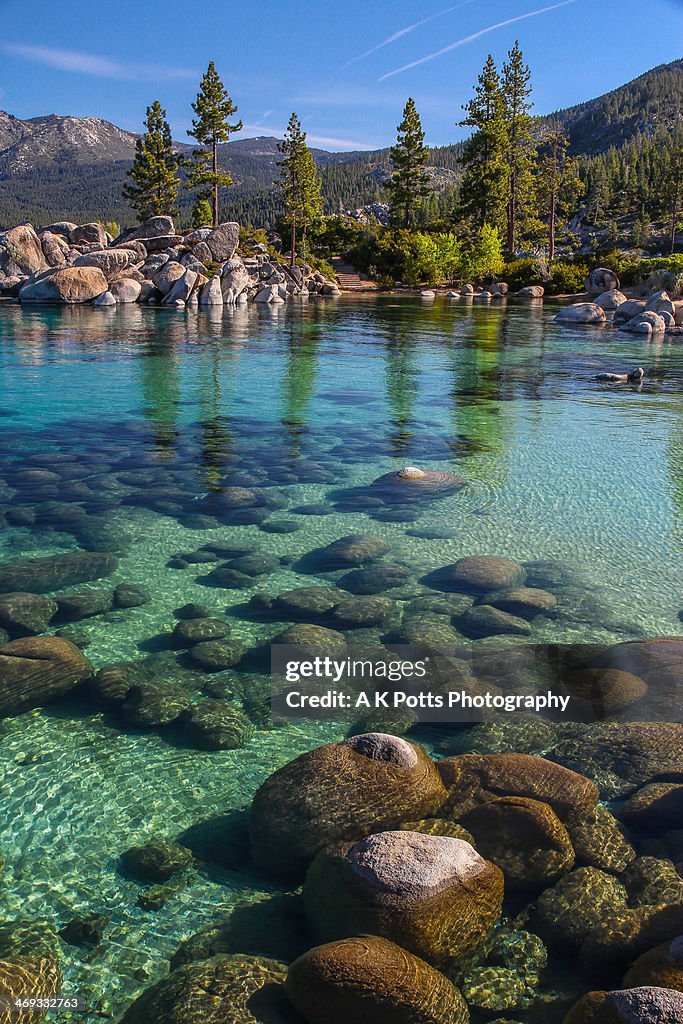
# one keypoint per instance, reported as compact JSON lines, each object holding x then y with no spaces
{"x":484,"y":186}
{"x":299,"y":185}
{"x":409,"y":185}
{"x":155,"y":181}
{"x":521,"y":146}
{"x":211,"y":127}
{"x":558,"y":186}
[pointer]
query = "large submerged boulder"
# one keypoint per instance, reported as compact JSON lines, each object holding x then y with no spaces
{"x":341,"y":791}
{"x":40,"y":575}
{"x":35,"y":670}
{"x":432,"y":894}
{"x":358,"y":980}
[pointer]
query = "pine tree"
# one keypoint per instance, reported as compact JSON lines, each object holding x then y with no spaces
{"x":671,"y":186}
{"x":299,"y":185}
{"x":558,"y":186}
{"x":484,"y":185}
{"x":521,"y":147}
{"x":409,"y":186}
{"x":211,"y":127}
{"x":202,"y":214}
{"x":154,"y":173}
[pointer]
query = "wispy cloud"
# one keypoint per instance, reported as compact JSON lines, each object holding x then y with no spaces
{"x":404,"y":32}
{"x":471,"y":39}
{"x":319,"y":140}
{"x":91,"y":64}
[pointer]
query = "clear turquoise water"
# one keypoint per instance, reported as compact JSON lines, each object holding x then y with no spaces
{"x":559,"y":467}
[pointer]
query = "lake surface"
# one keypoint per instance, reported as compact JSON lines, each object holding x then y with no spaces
{"x":154,"y":412}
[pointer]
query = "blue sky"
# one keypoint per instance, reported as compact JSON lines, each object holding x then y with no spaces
{"x":346,"y":69}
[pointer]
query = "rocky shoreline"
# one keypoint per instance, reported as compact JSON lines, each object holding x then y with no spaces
{"x":70,"y":264}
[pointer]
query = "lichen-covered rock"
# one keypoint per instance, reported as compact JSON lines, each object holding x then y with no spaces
{"x":494,"y":989}
{"x":599,"y":841}
{"x":579,"y":902}
{"x":341,"y":791}
{"x":524,"y":838}
{"x":482,"y":574}
{"x":40,"y":575}
{"x":29,"y":977}
{"x":357,"y":980}
{"x":234,"y":989}
{"x":474,"y":779}
{"x":646,"y":1005}
{"x":661,"y":967}
{"x":433,"y":895}
{"x":156,"y":861}
{"x":36,"y":670}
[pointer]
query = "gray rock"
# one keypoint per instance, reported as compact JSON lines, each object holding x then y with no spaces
{"x":611,"y":299}
{"x":223,"y":241}
{"x":62,"y":227}
{"x":104,"y":300}
{"x":55,"y":248}
{"x":532,"y":291}
{"x":161,"y":243}
{"x":627,"y":310}
{"x":582,"y":313}
{"x":234,"y":279}
{"x":70,"y":286}
{"x":485,"y":620}
{"x":89,"y":233}
{"x":109,"y":261}
{"x":182,"y":289}
{"x":211,"y":294}
{"x":21,"y":253}
{"x":83,"y":605}
{"x":153,"y":227}
{"x":167,"y":275}
{"x":601,"y":280}
{"x":126,"y":290}
{"x":646,"y":322}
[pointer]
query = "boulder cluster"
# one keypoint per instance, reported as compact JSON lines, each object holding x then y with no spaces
{"x":658,"y":311}
{"x":434,"y":892}
{"x":152,"y":264}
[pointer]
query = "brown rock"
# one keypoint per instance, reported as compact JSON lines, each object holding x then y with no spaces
{"x":35,"y":670}
{"x":359,"y":980}
{"x":525,"y":838}
{"x":631,"y":1006}
{"x":473,"y":779}
{"x":433,"y":895}
{"x":481,"y":574}
{"x":661,"y":966}
{"x":340,"y":791}
{"x":70,"y":285}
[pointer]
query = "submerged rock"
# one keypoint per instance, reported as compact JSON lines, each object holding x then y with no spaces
{"x":32,"y":977}
{"x":234,"y":989}
{"x":646,"y":1005}
{"x":156,"y":861}
{"x":580,"y":901}
{"x":432,"y":894}
{"x":481,"y":574}
{"x":40,"y":575}
{"x":340,"y":791}
{"x":36,"y":670}
{"x":218,"y":725}
{"x":661,"y":966}
{"x":26,"y":614}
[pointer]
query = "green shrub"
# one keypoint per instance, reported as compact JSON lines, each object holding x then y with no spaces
{"x":485,"y":256}
{"x":523,"y":272}
{"x":567,"y":278}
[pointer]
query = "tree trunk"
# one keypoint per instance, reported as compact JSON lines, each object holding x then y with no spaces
{"x":674,"y":221}
{"x":511,"y":217}
{"x":553,"y":214}
{"x":215,"y":183}
{"x":292,"y":261}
